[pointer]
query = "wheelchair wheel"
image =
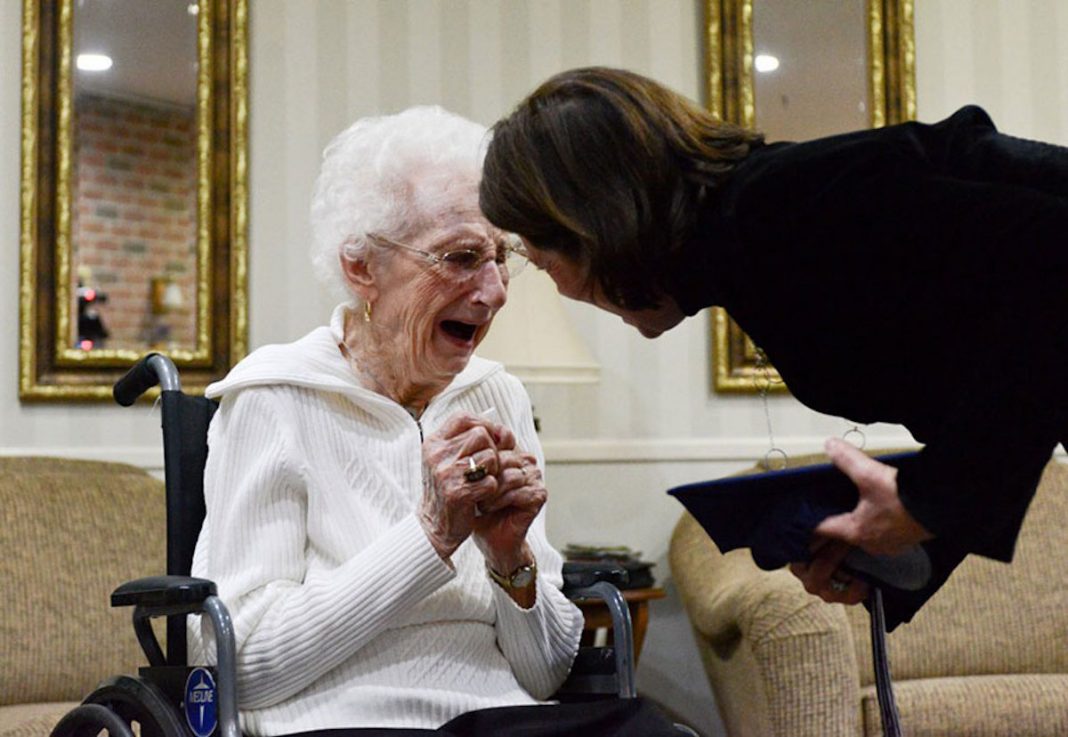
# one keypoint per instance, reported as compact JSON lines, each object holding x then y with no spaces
{"x":137,"y":709}
{"x":88,"y":720}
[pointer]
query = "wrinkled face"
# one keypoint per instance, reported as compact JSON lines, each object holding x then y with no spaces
{"x":424,"y":314}
{"x":572,"y":281}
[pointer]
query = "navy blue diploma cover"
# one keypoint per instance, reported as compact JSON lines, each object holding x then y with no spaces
{"x":774,"y":513}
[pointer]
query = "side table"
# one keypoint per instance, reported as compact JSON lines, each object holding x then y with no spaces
{"x":598,"y":619}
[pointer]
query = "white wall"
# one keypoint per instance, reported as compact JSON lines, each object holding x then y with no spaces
{"x":652,"y":421}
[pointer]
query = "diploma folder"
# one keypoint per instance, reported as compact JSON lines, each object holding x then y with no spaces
{"x":774,"y":513}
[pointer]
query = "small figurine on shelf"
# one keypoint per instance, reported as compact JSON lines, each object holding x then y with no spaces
{"x":91,"y":331}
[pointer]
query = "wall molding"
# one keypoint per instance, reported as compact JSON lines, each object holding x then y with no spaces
{"x":150,"y":459}
{"x":564,"y":451}
{"x":692,"y":450}
{"x":557,"y":452}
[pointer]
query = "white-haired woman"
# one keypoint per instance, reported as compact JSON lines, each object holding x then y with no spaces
{"x":373,"y":490}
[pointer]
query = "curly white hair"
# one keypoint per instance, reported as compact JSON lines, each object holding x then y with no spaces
{"x":367,"y":182}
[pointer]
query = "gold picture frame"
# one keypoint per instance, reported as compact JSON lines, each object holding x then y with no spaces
{"x":51,"y":368}
{"x":738,"y":365}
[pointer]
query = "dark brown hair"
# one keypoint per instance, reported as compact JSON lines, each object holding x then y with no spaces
{"x":606,"y":167}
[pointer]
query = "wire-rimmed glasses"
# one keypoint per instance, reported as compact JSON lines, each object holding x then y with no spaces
{"x":463,"y":263}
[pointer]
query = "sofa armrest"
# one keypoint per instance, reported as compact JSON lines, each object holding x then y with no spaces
{"x":727,"y":596}
{"x":779,"y":660}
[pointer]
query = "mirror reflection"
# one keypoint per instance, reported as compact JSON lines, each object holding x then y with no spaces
{"x":810,"y":64}
{"x":133,"y":232}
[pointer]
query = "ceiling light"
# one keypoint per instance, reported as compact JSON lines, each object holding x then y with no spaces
{"x":765,"y":63}
{"x":192,"y":8}
{"x":94,"y":62}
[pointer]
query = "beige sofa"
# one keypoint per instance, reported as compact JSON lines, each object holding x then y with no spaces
{"x":71,"y":532}
{"x":988,"y":655}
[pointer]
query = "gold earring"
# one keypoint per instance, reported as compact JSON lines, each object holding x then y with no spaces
{"x":367,"y":312}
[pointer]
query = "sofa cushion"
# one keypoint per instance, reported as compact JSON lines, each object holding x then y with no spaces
{"x":978,"y":706}
{"x":72,"y":531}
{"x":32,"y":720}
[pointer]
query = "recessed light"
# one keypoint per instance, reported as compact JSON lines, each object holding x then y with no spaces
{"x":93,"y":62}
{"x":765,"y":63}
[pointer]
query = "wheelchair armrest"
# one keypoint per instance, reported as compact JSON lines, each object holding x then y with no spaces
{"x":582,"y":575}
{"x":180,"y":593}
{"x":584,"y":581}
{"x":161,"y":596}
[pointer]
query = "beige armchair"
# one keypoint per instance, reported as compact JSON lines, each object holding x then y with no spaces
{"x":988,"y":655}
{"x":70,"y":532}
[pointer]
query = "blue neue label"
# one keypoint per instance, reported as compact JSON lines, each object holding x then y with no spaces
{"x":200,"y":700}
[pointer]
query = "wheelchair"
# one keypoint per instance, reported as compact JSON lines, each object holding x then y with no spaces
{"x":172,"y":698}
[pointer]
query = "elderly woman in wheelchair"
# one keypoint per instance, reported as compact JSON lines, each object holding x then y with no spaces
{"x":373,"y":489}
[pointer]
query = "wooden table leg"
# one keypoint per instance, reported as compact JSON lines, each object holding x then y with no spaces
{"x":639,"y":616}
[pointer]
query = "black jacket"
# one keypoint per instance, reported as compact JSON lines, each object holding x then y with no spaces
{"x":914,"y":274}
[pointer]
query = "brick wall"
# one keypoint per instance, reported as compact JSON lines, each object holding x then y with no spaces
{"x":134,"y":216}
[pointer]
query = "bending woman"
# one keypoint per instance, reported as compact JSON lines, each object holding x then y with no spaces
{"x":914,"y":274}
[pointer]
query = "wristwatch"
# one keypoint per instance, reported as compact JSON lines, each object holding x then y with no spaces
{"x":520,"y":578}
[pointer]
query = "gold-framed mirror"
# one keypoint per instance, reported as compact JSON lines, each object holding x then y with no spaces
{"x":796,"y":71}
{"x":134,"y":192}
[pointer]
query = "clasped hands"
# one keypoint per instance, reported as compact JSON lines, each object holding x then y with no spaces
{"x":879,"y":524}
{"x":496,"y":509}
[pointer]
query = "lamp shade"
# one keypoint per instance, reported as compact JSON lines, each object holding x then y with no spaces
{"x":533,"y":338}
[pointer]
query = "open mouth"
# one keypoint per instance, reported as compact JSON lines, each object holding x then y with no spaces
{"x":464,"y":331}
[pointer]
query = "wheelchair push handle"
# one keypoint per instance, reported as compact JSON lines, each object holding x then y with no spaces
{"x":152,"y":369}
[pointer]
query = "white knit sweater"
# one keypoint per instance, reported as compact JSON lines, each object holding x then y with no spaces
{"x":344,"y":614}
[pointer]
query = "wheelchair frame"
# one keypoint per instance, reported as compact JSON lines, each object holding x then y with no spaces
{"x":155,"y":699}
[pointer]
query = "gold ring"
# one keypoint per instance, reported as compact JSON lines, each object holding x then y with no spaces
{"x":475,"y":471}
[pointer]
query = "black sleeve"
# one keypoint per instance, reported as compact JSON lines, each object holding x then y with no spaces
{"x":925,"y":293}
{"x":998,"y":427}
{"x":955,"y":321}
{"x":1008,"y":410}
{"x":986,"y":453}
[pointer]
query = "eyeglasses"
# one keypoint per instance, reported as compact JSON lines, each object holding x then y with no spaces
{"x":462,"y":264}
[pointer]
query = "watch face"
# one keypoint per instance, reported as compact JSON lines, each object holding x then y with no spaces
{"x":523,"y":577}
